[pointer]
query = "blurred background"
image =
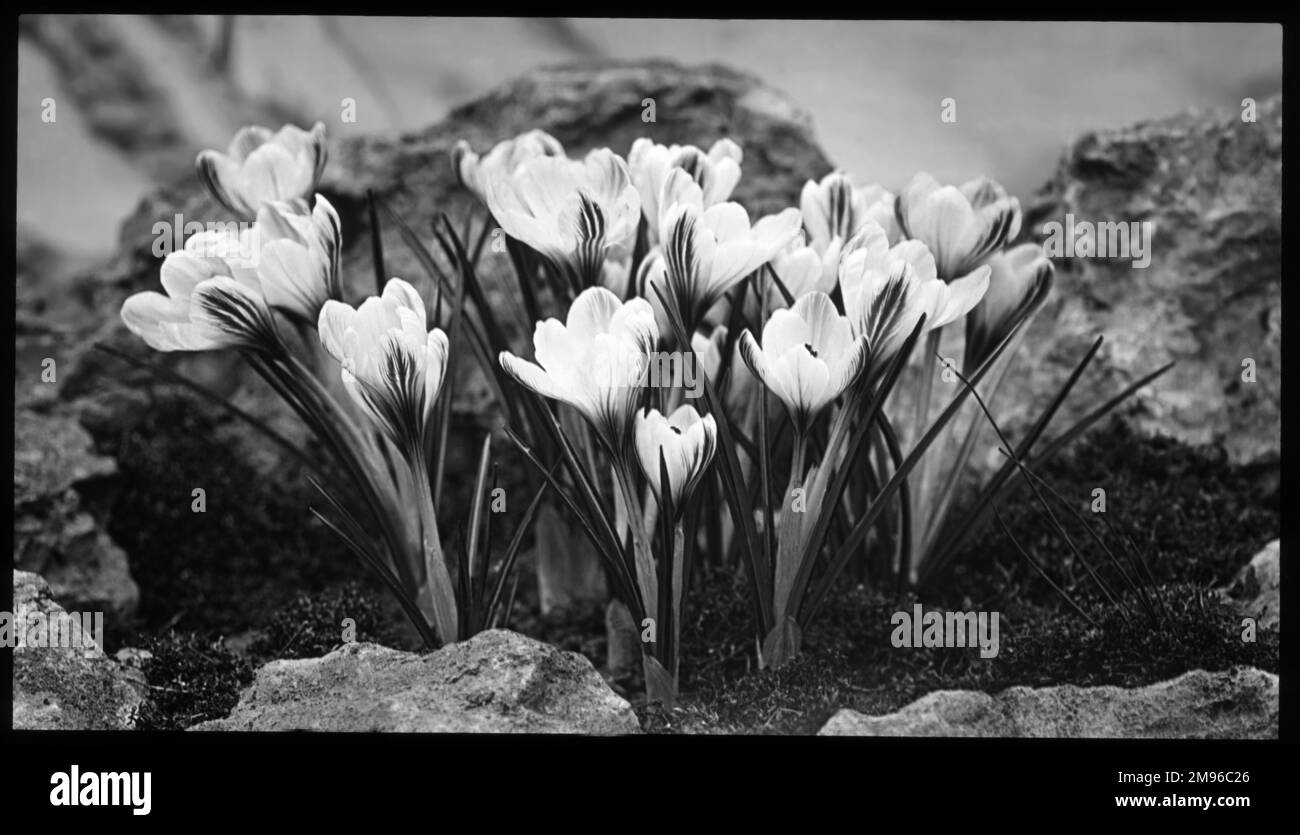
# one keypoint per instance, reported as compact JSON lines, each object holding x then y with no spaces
{"x":137,"y":96}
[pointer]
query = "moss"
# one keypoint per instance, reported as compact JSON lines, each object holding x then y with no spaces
{"x":257,"y":559}
{"x":852,"y":663}
{"x":1196,"y":517}
{"x":312,"y":624}
{"x":1202,"y":520}
{"x":224,"y":570}
{"x":191,"y":679}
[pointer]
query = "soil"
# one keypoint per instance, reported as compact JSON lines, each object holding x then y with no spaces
{"x":256,"y":578}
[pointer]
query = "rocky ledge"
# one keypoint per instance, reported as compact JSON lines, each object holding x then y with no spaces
{"x":496,"y":682}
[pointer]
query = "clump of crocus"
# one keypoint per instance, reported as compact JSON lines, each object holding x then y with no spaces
{"x":625,"y":270}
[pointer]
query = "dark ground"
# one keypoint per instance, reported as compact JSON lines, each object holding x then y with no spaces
{"x":257,"y":578}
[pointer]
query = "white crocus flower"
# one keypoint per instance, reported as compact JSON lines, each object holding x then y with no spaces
{"x":596,"y":360}
{"x":393,"y":365}
{"x":263,"y":167}
{"x":207,"y":306}
{"x":292,"y":256}
{"x":708,"y":350}
{"x":887,"y":290}
{"x":299,"y":258}
{"x":835,"y":209}
{"x":687,"y":443}
{"x":707,"y":250}
{"x":804,"y":269}
{"x":715,"y":172}
{"x":476,"y":173}
{"x":1019,"y":282}
{"x":961,"y":226}
{"x":577,"y":215}
{"x":232,"y":249}
{"x":809,"y":356}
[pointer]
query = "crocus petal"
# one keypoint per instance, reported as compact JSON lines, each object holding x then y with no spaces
{"x":263,"y":167}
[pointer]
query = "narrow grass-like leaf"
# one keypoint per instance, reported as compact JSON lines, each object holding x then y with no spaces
{"x":935,"y":562}
{"x":756,"y":568}
{"x":355,"y":539}
{"x":476,"y":506}
{"x":1114,"y":599}
{"x":998,"y":482}
{"x":422,"y":254}
{"x":512,"y":550}
{"x":860,"y":528}
{"x":170,"y":376}
{"x":1043,"y":573}
{"x":376,"y":243}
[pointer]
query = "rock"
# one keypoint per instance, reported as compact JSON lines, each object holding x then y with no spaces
{"x":1257,"y":588}
{"x":69,"y":687}
{"x":496,"y":682}
{"x":54,"y":535}
{"x":1210,"y":298}
{"x":52,"y":453}
{"x":1241,"y":703}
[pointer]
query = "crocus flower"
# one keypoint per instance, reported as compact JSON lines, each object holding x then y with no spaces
{"x":596,"y":360}
{"x":476,"y":173}
{"x":961,"y":226}
{"x":708,"y":250}
{"x":887,"y":290}
{"x":393,"y":365}
{"x":809,"y":356}
{"x":207,"y":306}
{"x":577,"y":215}
{"x":708,"y":350}
{"x":685,"y":440}
{"x":262,"y":166}
{"x":715,"y":172}
{"x":1019,"y":282}
{"x":803,"y":269}
{"x":299,"y":259}
{"x":834,"y":209}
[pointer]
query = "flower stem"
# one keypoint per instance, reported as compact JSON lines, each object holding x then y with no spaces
{"x":925,"y":384}
{"x":438,"y":592}
{"x":647,"y":582}
{"x":797,"y":458}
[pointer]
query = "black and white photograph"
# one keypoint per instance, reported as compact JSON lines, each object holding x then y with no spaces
{"x":387,"y":377}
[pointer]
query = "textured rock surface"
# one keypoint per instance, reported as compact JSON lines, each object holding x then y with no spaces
{"x":1257,"y":590}
{"x":1238,"y":704}
{"x":1210,"y":298}
{"x":54,"y":535}
{"x":67,"y":688}
{"x":496,"y":682}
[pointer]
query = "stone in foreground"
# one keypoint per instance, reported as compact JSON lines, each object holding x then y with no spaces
{"x":1257,"y":588}
{"x":496,"y":682}
{"x":1236,"y":704}
{"x":67,"y":688}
